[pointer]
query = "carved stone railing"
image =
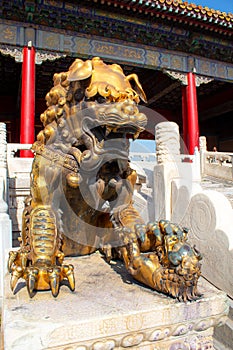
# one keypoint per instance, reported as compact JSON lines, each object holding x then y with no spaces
{"x":216,"y":164}
{"x":142,"y":157}
{"x":13,"y":148}
{"x":18,"y":174}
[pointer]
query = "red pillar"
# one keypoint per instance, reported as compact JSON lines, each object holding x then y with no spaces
{"x":192,"y":114}
{"x":27,"y":123}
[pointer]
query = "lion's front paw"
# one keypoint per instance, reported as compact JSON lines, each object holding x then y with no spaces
{"x":41,"y":275}
{"x":161,"y":257}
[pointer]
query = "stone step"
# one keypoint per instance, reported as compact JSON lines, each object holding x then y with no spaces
{"x":223,"y":335}
{"x":109,"y":311}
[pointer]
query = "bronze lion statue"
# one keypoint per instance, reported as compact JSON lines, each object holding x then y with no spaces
{"x":82,"y":188}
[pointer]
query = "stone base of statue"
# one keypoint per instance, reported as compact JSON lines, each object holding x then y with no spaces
{"x":108,"y":311}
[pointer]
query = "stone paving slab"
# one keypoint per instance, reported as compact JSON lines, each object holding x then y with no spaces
{"x":109,"y":311}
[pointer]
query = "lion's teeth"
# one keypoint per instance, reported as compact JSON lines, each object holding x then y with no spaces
{"x":135,"y":136}
{"x":101,"y":144}
{"x":108,"y":130}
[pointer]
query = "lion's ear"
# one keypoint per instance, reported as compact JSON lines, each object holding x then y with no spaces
{"x":137,"y":86}
{"x":79,"y":70}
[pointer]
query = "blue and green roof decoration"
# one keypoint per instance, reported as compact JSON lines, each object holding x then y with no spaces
{"x":177,"y":10}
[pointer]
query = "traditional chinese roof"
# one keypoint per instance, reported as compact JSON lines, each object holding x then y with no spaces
{"x":177,"y":10}
{"x":168,"y":24}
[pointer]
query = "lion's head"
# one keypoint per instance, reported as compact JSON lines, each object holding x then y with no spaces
{"x":92,"y":111}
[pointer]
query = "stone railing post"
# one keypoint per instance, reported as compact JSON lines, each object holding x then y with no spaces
{"x":5,"y":222}
{"x":203,"y":149}
{"x":176,"y":177}
{"x":168,"y":158}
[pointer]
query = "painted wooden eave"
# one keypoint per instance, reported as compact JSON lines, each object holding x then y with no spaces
{"x":177,"y":10}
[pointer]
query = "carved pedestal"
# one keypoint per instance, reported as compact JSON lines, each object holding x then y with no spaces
{"x":109,"y":311}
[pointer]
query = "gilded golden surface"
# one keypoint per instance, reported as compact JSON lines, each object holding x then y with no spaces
{"x":82,"y":187}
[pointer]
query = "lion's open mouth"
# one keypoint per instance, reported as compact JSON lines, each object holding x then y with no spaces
{"x":102,"y":132}
{"x":113,"y":121}
{"x":121,"y":117}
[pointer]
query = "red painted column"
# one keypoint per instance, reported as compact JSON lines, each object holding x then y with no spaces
{"x":184,"y":117}
{"x":192,"y":114}
{"x":27,"y":123}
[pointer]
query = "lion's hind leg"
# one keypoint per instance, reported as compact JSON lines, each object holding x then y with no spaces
{"x":39,"y":260}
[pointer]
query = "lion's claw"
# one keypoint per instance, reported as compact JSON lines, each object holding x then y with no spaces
{"x":68,"y":272}
{"x":11,"y":259}
{"x":16,"y":274}
{"x":54,"y":279}
{"x":31,"y":280}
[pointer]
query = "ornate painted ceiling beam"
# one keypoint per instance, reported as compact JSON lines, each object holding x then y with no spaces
{"x":14,"y":36}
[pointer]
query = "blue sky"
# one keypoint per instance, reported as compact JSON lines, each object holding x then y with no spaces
{"x":222,"y":5}
{"x":142,"y":146}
